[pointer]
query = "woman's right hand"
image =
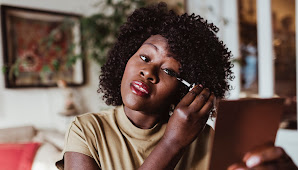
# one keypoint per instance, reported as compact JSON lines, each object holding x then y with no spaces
{"x":189,"y":117}
{"x":184,"y":126}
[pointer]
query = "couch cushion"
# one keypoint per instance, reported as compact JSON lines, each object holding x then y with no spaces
{"x":53,"y":137}
{"x":17,"y":156}
{"x":17,"y":134}
{"x":46,"y":157}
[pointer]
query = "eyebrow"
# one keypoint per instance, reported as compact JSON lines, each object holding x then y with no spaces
{"x":152,"y":45}
{"x":156,"y":48}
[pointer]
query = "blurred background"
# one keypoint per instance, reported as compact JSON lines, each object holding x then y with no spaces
{"x":52,"y":50}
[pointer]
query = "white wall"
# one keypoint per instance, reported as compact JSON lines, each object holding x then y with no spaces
{"x":41,"y":106}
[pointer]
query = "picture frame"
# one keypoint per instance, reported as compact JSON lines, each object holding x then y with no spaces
{"x":41,"y":47}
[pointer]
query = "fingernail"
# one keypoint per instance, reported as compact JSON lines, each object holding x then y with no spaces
{"x":201,"y":85}
{"x":253,"y":161}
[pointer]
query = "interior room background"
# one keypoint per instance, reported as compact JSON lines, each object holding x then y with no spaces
{"x":41,"y":107}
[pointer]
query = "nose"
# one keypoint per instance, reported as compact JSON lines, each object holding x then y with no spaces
{"x":150,"y":74}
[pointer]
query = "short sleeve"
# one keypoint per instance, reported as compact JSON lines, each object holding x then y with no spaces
{"x":75,"y":141}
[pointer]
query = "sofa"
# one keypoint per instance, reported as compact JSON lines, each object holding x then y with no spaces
{"x":27,"y":147}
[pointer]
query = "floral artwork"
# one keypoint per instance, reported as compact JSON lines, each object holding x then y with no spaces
{"x":40,"y":49}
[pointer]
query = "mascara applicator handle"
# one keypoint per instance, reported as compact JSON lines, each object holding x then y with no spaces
{"x":192,"y":86}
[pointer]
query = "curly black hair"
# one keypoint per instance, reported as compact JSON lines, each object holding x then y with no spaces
{"x":204,"y":58}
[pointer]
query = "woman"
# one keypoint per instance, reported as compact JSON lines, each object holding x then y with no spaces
{"x":156,"y":49}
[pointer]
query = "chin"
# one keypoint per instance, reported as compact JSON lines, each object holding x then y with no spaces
{"x":132,"y":102}
{"x":143,"y":104}
{"x":145,"y":108}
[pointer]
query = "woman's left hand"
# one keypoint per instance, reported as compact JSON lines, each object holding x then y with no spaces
{"x":266,"y":157}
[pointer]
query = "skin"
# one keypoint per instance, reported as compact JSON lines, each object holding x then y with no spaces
{"x":146,"y":66}
{"x":188,"y":119}
{"x":266,"y":157}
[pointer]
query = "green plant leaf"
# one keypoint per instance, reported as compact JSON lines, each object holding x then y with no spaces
{"x":56,"y":64}
{"x":46,"y":69}
{"x":4,"y":69}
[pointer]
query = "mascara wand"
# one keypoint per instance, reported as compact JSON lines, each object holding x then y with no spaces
{"x":173,"y":74}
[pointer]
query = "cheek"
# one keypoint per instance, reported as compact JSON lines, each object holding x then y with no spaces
{"x":130,"y":67}
{"x":169,"y":90}
{"x":126,"y":78}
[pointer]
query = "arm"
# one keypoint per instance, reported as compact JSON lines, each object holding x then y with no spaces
{"x":265,"y":157}
{"x":75,"y":146}
{"x":186,"y":123}
{"x":78,"y":161}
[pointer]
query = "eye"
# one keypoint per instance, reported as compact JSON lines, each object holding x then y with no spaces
{"x":144,"y":58}
{"x":170,"y":72}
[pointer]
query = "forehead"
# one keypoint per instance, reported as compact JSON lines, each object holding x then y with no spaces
{"x":157,"y":38}
{"x":157,"y":41}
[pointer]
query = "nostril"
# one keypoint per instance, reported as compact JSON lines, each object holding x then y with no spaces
{"x":150,"y":79}
{"x":148,"y":75}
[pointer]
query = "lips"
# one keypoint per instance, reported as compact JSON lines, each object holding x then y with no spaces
{"x":139,"y":88}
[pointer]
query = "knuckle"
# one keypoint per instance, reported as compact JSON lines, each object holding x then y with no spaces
{"x":212,"y":96}
{"x":198,"y":88}
{"x":193,"y":93}
{"x":203,"y":96}
{"x":186,"y":116}
{"x":280,"y":151}
{"x":179,"y":110}
{"x":209,"y":104}
{"x":204,"y":112}
{"x":207,"y":91}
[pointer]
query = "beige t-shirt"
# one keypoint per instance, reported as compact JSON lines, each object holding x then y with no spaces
{"x":114,"y":142}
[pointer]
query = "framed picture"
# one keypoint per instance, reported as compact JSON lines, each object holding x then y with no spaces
{"x":41,"y":47}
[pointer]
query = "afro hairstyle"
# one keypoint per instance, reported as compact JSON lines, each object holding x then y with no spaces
{"x":203,"y":57}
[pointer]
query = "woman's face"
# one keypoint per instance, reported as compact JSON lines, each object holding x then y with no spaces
{"x":145,"y":86}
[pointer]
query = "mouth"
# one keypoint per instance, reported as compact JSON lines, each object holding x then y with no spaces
{"x":139,"y":88}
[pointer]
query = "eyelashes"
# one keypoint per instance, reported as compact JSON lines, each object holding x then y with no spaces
{"x":170,"y":72}
{"x":145,"y":58}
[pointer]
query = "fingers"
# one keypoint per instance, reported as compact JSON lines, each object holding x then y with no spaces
{"x":266,"y":167}
{"x":209,"y":105}
{"x":191,"y":95}
{"x":237,"y":166}
{"x":271,"y":166}
{"x":198,"y":100}
{"x":203,"y":103}
{"x":240,"y":166}
{"x":265,"y":157}
{"x":259,"y":156}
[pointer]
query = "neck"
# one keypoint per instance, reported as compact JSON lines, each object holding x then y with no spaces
{"x":143,"y":120}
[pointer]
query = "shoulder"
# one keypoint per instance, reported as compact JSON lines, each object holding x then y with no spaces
{"x":93,"y":123}
{"x":94,"y":118}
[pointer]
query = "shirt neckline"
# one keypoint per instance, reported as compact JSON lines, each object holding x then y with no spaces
{"x":133,"y":131}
